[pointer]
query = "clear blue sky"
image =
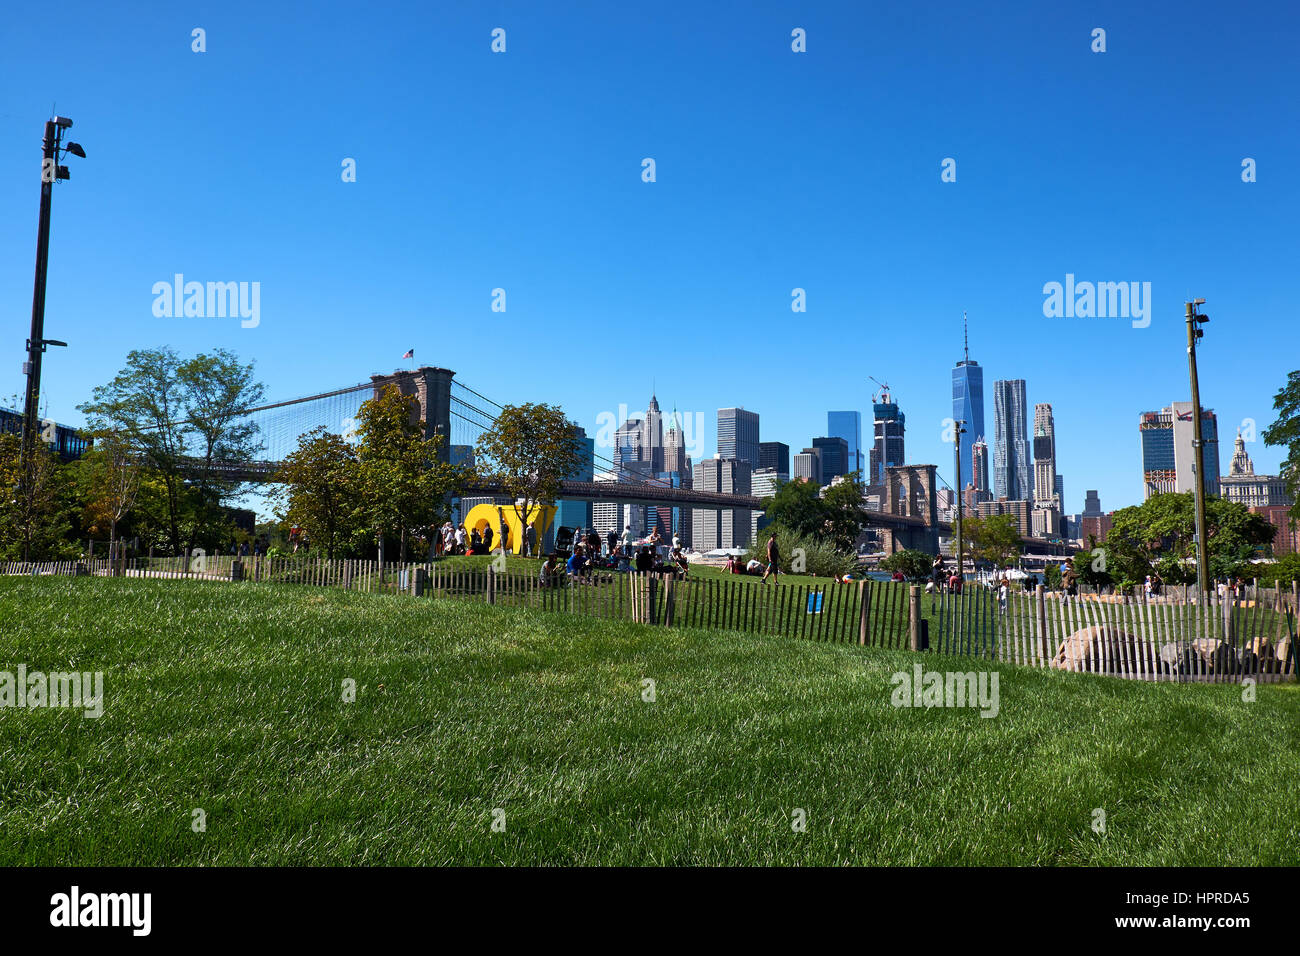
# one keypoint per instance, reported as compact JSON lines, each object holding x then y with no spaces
{"x":775,"y":170}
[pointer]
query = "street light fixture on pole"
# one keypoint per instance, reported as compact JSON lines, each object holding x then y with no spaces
{"x":958,"y":431}
{"x":53,"y":150}
{"x":1194,"y":319}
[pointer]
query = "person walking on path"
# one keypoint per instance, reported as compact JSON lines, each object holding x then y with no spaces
{"x":773,"y":559}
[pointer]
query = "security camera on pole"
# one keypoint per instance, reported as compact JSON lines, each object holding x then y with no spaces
{"x":51,"y":172}
{"x":1195,"y":319}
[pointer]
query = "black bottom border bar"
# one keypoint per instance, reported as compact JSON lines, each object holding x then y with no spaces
{"x":337,"y":905}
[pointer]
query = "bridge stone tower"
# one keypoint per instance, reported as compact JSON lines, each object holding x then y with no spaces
{"x":432,"y":388}
{"x":910,"y":493}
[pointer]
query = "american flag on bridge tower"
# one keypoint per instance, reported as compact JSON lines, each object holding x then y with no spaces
{"x":410,"y":353}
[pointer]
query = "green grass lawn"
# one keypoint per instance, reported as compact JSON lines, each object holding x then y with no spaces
{"x":228,"y":697}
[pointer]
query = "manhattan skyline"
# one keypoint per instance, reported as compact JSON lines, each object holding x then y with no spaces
{"x":775,"y":171}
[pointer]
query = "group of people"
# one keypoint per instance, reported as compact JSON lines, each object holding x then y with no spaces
{"x":754,"y":566}
{"x":621,"y":554}
{"x":457,"y":539}
{"x":942,"y":579}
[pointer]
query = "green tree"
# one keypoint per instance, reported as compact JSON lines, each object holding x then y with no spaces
{"x":182,"y":419}
{"x":107,"y":481}
{"x":846,"y":513}
{"x":402,"y":488}
{"x":1157,"y":536}
{"x":319,"y":489}
{"x":798,"y":506}
{"x":994,"y":539}
{"x":1092,"y":565}
{"x":34,"y":526}
{"x":915,"y":565}
{"x":1285,"y":432}
{"x":1282,"y":571}
{"x":529,"y":451}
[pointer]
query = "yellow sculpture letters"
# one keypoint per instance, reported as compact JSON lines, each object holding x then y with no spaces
{"x":487,"y":516}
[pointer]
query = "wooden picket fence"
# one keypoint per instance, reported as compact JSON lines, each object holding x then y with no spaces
{"x":866,"y":612}
{"x":1170,"y":637}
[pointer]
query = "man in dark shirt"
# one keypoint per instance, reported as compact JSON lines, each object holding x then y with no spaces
{"x":773,"y":559}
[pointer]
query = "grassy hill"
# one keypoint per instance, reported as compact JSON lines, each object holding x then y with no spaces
{"x":229,"y":698}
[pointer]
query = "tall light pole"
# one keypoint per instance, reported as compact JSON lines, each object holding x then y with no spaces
{"x":958,"y":431}
{"x":51,"y":172}
{"x":1194,"y":319}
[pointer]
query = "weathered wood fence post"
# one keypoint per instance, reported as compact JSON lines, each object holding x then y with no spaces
{"x":419,"y":582}
{"x":914,"y":617}
{"x":1041,"y":603}
{"x":863,"y":608}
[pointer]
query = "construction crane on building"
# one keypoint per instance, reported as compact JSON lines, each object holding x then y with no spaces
{"x":880,"y":393}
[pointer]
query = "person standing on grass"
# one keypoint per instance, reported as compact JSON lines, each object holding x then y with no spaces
{"x":611,"y":541}
{"x":460,"y":539}
{"x":627,"y":540}
{"x":1004,"y":588}
{"x":773,"y":559}
{"x":530,"y":541}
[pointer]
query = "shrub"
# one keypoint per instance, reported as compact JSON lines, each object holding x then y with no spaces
{"x":820,"y":558}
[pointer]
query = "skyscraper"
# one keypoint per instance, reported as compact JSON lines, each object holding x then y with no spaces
{"x":574,"y":514}
{"x":1012,"y":478}
{"x":721,"y":527}
{"x":835,"y":457}
{"x":847,"y":425}
{"x":887,"y":445}
{"x":808,"y":465}
{"x":1168,"y":459}
{"x":775,"y":455}
{"x":738,"y":435}
{"x":968,"y":397}
{"x":1045,"y":457}
{"x":639,"y":456}
{"x":1091,"y":504}
{"x":980,"y":467}
{"x":675,"y":457}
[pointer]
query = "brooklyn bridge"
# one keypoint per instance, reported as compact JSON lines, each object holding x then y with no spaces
{"x":459,"y":414}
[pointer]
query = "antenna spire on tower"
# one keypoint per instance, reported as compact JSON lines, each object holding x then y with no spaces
{"x":965,"y":340}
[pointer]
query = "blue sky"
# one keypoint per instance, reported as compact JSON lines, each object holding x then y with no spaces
{"x":775,"y":170}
